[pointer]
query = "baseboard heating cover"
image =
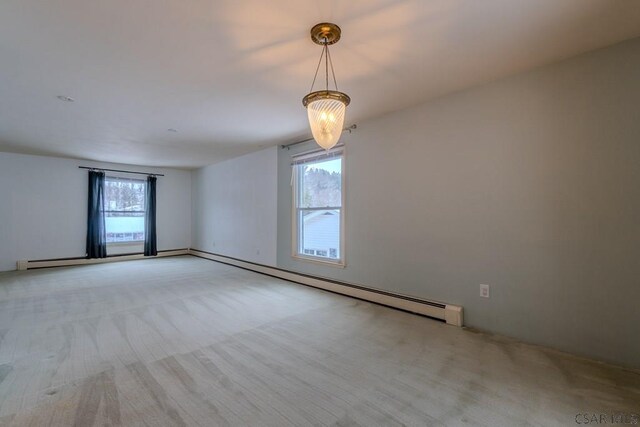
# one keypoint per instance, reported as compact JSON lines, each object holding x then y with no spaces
{"x":451,"y":314}
{"x":65,"y":262}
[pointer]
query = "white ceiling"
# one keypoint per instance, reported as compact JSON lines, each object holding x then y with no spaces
{"x":229,"y":75}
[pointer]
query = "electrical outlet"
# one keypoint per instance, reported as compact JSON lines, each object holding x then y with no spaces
{"x":484,"y":291}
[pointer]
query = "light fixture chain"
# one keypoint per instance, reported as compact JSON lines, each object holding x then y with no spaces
{"x":335,"y":82}
{"x":326,"y":64}
{"x":315,"y":76}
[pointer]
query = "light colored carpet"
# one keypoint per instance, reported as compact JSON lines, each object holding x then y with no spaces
{"x":185,"y":341}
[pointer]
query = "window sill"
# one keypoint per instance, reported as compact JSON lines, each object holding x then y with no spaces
{"x":125,"y":243}
{"x":320,"y":261}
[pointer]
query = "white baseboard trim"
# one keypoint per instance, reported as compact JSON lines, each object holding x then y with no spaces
{"x":451,"y":314}
{"x":28,"y":265}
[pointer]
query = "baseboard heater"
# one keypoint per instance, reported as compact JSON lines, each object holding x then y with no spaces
{"x":65,"y":262}
{"x":451,"y":314}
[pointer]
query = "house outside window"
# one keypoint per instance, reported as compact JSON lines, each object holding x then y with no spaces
{"x":318,"y":207}
{"x":124,"y":209}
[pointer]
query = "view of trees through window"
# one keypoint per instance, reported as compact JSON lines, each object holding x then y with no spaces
{"x":124,"y":209}
{"x":322,"y":185}
{"x":319,"y":206}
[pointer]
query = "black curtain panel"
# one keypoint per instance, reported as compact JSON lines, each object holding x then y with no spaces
{"x":150,"y":242}
{"x":96,"y":230}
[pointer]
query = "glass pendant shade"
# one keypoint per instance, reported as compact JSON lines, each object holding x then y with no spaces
{"x":326,"y":117}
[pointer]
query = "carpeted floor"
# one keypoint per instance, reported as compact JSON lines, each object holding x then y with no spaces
{"x":185,"y":341}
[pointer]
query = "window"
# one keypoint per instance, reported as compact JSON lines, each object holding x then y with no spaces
{"x":318,"y":209}
{"x":124,"y":203}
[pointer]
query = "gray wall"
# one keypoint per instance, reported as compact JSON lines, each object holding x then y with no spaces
{"x":43,"y":208}
{"x":530,"y":184}
{"x":235,"y":207}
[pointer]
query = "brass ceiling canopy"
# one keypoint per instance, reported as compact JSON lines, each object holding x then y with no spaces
{"x":325,"y":33}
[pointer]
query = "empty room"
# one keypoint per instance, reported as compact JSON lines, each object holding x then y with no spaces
{"x":301,"y":213}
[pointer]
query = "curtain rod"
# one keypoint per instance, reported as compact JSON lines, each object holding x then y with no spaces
{"x":288,"y":146}
{"x":116,"y":170}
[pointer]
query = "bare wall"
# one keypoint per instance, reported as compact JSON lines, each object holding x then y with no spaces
{"x":43,"y":208}
{"x":530,"y":184}
{"x":235,"y":207}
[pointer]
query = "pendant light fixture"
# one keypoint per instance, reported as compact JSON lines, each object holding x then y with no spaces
{"x":326,"y":108}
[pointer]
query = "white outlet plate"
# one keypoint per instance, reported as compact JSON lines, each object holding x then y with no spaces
{"x":484,"y":291}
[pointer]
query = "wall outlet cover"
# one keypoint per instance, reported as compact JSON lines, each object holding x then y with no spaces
{"x":484,"y":291}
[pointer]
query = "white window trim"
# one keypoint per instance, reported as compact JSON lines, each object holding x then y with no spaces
{"x":340,"y":263}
